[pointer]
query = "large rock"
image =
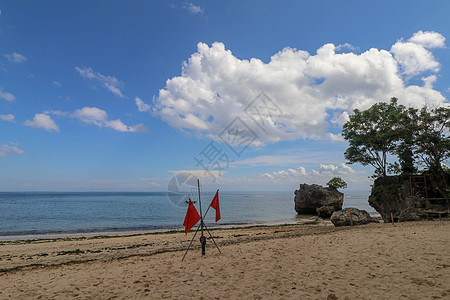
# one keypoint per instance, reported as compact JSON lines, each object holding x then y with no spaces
{"x":391,"y":194}
{"x":315,"y":199}
{"x":359,"y":217}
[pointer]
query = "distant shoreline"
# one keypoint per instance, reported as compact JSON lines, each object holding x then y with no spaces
{"x":112,"y":233}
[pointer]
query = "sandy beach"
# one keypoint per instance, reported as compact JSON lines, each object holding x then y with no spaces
{"x":375,"y":261}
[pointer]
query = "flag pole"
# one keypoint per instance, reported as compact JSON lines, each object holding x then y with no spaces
{"x":202,"y":237}
{"x":201,"y":225}
{"x":209,"y":231}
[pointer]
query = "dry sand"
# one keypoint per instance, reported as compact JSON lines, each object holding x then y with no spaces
{"x":376,"y":261}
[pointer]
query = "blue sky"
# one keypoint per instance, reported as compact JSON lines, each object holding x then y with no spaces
{"x":120,"y":95}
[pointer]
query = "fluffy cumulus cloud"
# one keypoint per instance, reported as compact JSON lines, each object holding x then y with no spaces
{"x":300,"y":171}
{"x":324,"y":173}
{"x":9,"y":148}
{"x":8,"y":118}
{"x":6,"y":96}
{"x":428,"y":39}
{"x":43,"y":121}
{"x":296,"y":94}
{"x":15,"y":58}
{"x":413,"y":55}
{"x":99,"y":117}
{"x":110,"y":83}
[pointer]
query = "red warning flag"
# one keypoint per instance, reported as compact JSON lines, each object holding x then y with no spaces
{"x":192,"y":217}
{"x":215,"y":204}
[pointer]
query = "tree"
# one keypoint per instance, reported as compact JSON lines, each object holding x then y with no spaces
{"x":373,"y":134}
{"x":337,"y":182}
{"x":432,"y":137}
{"x":432,"y":143}
{"x":405,"y":131}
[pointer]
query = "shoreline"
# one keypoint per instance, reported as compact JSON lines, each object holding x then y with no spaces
{"x":19,"y":254}
{"x":18,"y":237}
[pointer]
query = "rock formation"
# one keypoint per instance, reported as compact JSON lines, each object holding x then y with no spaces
{"x":359,"y":217}
{"x":391,"y":194}
{"x":315,"y":199}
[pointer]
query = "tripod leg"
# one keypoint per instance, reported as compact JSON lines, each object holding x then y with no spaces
{"x":190,"y":243}
{"x":212,"y":239}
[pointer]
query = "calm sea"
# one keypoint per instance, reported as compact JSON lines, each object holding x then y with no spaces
{"x":36,"y":213}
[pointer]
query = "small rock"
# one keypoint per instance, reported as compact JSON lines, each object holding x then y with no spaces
{"x":332,"y":297}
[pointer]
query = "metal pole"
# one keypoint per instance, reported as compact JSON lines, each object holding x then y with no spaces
{"x":190,"y":244}
{"x":213,"y":239}
{"x":202,"y":238}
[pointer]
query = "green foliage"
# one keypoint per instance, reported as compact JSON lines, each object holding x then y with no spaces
{"x":432,"y":138}
{"x":337,"y":182}
{"x":390,"y":129}
{"x":432,"y":144}
{"x":373,"y":134}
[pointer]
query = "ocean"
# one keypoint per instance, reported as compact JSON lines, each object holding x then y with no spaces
{"x":47,"y":213}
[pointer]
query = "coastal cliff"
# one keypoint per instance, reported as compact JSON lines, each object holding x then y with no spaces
{"x":406,"y":198}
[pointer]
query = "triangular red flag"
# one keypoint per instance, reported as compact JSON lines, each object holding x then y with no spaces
{"x":192,"y":217}
{"x":215,"y":204}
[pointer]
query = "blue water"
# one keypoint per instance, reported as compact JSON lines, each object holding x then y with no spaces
{"x":55,"y":212}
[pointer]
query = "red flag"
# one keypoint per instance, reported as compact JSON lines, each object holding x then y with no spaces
{"x":215,"y":204}
{"x":192,"y":217}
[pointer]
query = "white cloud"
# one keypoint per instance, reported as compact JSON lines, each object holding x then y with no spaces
{"x":99,"y":117}
{"x":312,"y":92}
{"x":346,"y":46}
{"x":142,"y":106}
{"x":56,"y":113}
{"x":56,"y":83}
{"x":8,"y":118}
{"x":340,"y":118}
{"x":193,"y":9}
{"x":336,"y":137}
{"x":15,"y":58}
{"x":91,"y":115}
{"x":428,"y":39}
{"x":341,"y":169}
{"x":10,"y":148}
{"x":322,"y":175}
{"x":42,"y":121}
{"x":300,"y":171}
{"x":111,"y":83}
{"x":428,"y":81}
{"x":413,"y":56}
{"x":7,"y":96}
